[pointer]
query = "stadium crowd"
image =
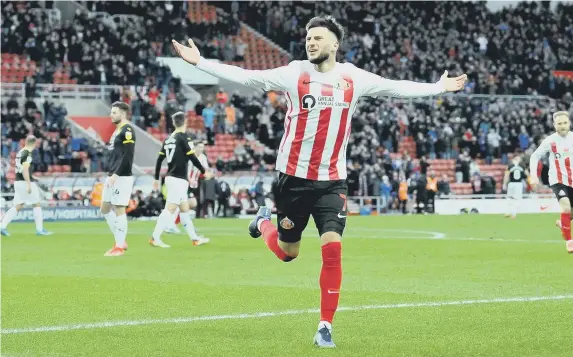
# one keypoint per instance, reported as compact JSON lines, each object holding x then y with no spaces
{"x":57,"y":146}
{"x":405,"y":40}
{"x":511,"y":51}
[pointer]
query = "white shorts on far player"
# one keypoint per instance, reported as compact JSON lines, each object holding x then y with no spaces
{"x":21,"y":198}
{"x":515,"y":195}
{"x":176,"y":198}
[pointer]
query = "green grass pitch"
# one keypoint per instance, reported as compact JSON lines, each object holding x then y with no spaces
{"x":459,"y":286}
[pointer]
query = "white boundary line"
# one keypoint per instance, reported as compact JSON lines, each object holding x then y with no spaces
{"x":179,"y":320}
{"x":355,"y":233}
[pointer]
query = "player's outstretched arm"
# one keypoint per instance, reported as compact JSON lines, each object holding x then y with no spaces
{"x":376,"y":85}
{"x":271,"y":79}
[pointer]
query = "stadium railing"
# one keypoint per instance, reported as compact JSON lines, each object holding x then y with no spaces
{"x":61,"y":91}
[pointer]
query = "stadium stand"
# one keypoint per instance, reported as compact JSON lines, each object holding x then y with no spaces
{"x":410,"y":40}
{"x":388,"y":137}
{"x":58,"y":153}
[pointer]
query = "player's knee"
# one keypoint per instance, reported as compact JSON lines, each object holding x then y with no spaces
{"x":331,"y":232}
{"x":565,"y":205}
{"x":291,"y":250}
{"x":171,"y":208}
{"x":19,"y":206}
{"x":330,"y":237}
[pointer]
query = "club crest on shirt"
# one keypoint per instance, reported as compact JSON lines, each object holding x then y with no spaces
{"x":286,"y":223}
{"x":342,"y":84}
{"x":128,"y":135}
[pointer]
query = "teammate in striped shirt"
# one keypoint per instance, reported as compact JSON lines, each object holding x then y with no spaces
{"x":322,"y":95}
{"x":559,"y":145}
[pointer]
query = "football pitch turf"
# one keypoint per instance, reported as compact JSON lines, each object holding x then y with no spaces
{"x":425,"y":286}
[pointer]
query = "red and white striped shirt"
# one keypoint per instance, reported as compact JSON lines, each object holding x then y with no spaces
{"x":320,"y":108}
{"x":560,"y":150}
{"x":194,"y":172}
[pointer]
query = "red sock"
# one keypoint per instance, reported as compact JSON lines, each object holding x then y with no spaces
{"x":271,"y":238}
{"x":177,"y":220}
{"x":566,"y":225}
{"x":330,"y":280}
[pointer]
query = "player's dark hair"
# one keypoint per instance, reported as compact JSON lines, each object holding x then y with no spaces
{"x":330,"y":23}
{"x":178,"y":119}
{"x":124,"y":107}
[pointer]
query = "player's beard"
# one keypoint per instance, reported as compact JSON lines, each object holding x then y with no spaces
{"x":320,"y":58}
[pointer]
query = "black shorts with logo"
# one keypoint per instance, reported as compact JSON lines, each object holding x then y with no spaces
{"x":298,"y":198}
{"x":561,"y":191}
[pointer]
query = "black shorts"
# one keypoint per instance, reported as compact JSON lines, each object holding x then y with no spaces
{"x":193,"y":192}
{"x":561,"y":191}
{"x":297,"y":199}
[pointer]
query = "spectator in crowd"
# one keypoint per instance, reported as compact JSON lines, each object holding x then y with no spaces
{"x":223,"y":196}
{"x":444,"y":189}
{"x":209,"y":188}
{"x":406,"y":39}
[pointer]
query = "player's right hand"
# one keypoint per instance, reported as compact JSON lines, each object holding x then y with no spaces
{"x":155,"y":185}
{"x":534,"y":182}
{"x":28,"y":188}
{"x":190,"y":54}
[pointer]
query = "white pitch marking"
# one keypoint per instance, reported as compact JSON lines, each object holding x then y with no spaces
{"x":179,"y":320}
{"x":355,"y":233}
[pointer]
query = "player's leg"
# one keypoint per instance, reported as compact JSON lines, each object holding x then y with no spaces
{"x":106,"y":208}
{"x":512,"y":195}
{"x":284,"y":242}
{"x":189,"y":226}
{"x":38,"y":214}
{"x":564,"y":196}
{"x":329,"y":213}
{"x":10,"y":215}
{"x":167,"y":216}
{"x":120,"y":196}
{"x":293,"y":212}
{"x":171,"y":227}
{"x":20,"y":194}
{"x":164,"y":220}
{"x":565,"y":205}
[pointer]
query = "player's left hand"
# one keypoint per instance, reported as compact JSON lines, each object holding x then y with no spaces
{"x":155,"y":185}
{"x":534,"y":182}
{"x":188,"y":53}
{"x":453,"y":84}
{"x":111,"y":181}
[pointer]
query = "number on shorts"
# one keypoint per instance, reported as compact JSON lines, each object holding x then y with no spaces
{"x":169,"y":152}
